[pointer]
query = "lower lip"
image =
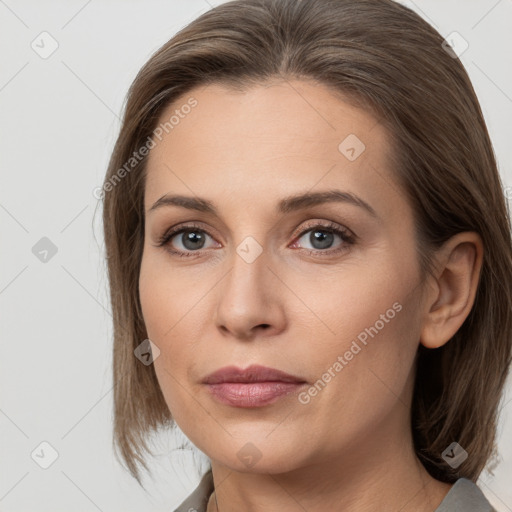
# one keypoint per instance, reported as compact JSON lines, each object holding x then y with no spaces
{"x":252,"y":394}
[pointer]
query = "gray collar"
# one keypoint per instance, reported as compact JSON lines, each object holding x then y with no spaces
{"x":465,"y":496}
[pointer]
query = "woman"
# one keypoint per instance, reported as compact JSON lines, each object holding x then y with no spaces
{"x":310,"y":258}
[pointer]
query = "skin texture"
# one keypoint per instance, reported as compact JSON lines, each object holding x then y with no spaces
{"x":291,"y":310}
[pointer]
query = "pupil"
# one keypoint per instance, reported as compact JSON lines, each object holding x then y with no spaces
{"x":323,"y":239}
{"x":191,"y":240}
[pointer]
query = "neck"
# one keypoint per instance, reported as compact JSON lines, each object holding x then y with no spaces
{"x":378,"y":471}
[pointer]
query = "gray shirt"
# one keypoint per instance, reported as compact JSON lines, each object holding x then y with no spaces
{"x":464,"y":496}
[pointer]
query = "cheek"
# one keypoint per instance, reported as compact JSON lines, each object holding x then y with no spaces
{"x":166,"y":297}
{"x":366,"y":350}
{"x":357,"y":303}
{"x":171,"y":309}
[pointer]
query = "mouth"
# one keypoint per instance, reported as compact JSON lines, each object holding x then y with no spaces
{"x":254,"y":386}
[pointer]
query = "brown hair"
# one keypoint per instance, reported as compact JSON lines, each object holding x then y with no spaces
{"x":388,"y":60}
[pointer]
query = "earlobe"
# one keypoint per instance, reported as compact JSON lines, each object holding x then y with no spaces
{"x":459,"y":265}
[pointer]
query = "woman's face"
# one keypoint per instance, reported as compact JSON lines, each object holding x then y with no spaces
{"x":325,"y":290}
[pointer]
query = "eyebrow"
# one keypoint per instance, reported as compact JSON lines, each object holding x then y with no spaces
{"x":286,"y":205}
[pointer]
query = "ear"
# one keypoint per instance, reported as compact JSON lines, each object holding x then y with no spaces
{"x":453,"y":291}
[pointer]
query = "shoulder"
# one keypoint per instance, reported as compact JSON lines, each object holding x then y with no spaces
{"x":465,"y":496}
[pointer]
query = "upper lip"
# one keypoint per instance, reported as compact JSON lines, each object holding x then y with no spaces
{"x":254,"y":373}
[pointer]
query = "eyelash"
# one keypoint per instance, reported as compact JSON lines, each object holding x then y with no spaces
{"x":346,"y":236}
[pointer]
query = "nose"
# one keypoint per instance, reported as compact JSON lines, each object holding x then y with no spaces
{"x":250,"y":299}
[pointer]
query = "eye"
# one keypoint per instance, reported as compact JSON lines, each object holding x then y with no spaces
{"x":323,"y":238}
{"x":191,"y":240}
{"x":185,"y":240}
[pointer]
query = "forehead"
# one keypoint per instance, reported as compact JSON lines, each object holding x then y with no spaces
{"x":278,"y":137}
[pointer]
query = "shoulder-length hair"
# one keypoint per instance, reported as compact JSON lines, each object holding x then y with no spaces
{"x":386,"y":59}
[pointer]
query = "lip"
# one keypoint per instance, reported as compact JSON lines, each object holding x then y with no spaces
{"x":253,"y":373}
{"x":254,"y":386}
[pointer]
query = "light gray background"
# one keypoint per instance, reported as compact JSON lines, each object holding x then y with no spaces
{"x":59,"y":120}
